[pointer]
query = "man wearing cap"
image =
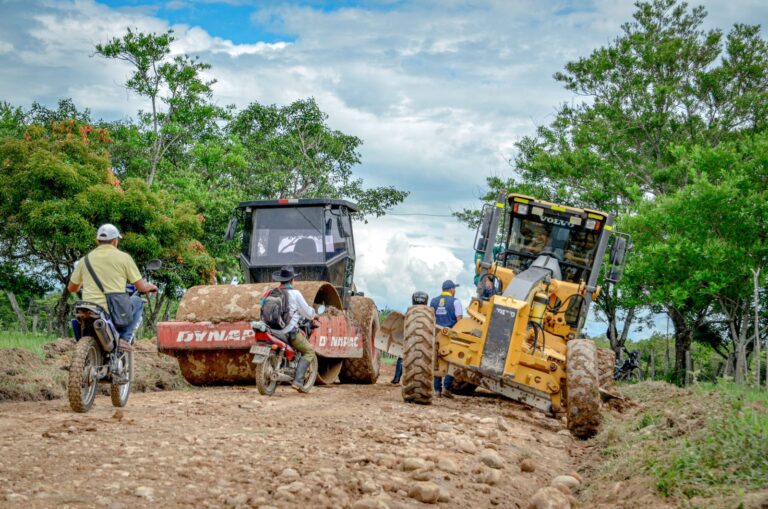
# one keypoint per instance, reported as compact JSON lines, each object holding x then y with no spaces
{"x":297,"y":308}
{"x":448,"y":311}
{"x":114,"y":268}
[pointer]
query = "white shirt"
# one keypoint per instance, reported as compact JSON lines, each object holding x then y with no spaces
{"x":297,"y":307}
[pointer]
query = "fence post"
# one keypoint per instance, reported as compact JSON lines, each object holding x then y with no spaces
{"x":653,"y":365}
{"x":688,"y":367}
{"x":19,"y":313}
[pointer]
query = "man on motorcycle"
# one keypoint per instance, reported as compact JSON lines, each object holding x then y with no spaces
{"x":114,"y":268}
{"x":297,"y":308}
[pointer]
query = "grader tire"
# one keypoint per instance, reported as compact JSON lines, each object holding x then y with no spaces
{"x":582,"y":388}
{"x":363,"y":370}
{"x":418,"y":355}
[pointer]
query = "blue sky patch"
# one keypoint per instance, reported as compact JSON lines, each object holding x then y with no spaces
{"x":231,"y":20}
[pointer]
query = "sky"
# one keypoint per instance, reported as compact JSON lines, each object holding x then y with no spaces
{"x":438,"y":90}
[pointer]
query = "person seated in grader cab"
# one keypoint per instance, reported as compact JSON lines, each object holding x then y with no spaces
{"x":273,"y":303}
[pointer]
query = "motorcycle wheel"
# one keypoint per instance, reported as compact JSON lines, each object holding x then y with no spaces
{"x":120,"y":392}
{"x":264,"y":383}
{"x":310,"y":376}
{"x":82,"y":377}
{"x":635,"y":376}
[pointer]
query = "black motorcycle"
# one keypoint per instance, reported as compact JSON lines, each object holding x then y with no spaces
{"x":629,"y":369}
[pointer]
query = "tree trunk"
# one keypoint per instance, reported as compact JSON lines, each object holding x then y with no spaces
{"x":741,"y":363}
{"x":682,"y":345}
{"x":62,"y":313}
{"x":19,"y":313}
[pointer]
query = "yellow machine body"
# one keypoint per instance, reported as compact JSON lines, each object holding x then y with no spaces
{"x":513,"y":342}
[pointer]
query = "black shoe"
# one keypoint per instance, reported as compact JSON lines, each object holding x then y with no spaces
{"x":301,"y":370}
{"x":447,"y":394}
{"x":395,"y":382}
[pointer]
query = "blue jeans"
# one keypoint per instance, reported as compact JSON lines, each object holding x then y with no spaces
{"x":398,"y":370}
{"x":138,"y":309}
{"x":439,"y":384}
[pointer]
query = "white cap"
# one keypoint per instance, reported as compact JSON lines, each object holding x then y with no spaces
{"x":108,"y":232}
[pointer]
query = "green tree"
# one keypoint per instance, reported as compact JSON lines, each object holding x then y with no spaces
{"x":291,"y":151}
{"x":701,"y":243}
{"x":56,"y":187}
{"x":179,"y":95}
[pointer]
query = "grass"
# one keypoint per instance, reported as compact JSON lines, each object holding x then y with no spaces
{"x":32,"y":342}
{"x":705,"y":446}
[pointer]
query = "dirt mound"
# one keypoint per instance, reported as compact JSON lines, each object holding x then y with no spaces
{"x":26,"y":377}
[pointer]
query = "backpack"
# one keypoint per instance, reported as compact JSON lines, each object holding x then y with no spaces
{"x":274,"y":309}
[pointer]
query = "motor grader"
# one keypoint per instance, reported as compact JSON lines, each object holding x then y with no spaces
{"x":212,"y":334}
{"x":537,"y":267}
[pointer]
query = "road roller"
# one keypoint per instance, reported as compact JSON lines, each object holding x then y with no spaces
{"x":212,"y":334}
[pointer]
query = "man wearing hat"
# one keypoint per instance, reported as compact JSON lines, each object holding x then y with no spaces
{"x":297,"y":308}
{"x":448,"y":311}
{"x":113,"y":268}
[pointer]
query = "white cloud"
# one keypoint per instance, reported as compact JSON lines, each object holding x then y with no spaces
{"x":397,"y":256}
{"x":5,"y":47}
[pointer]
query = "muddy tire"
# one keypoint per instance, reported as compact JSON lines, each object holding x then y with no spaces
{"x":364,"y":370}
{"x":418,"y":355}
{"x":82,"y":384}
{"x":119,"y":392}
{"x":264,"y":384}
{"x":582,"y":389}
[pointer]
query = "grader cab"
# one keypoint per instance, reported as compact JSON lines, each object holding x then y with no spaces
{"x":537,"y":266}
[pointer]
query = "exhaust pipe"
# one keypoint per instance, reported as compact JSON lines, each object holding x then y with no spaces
{"x":106,"y":335}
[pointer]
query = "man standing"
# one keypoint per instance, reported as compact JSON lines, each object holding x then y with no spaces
{"x":448,"y":311}
{"x":113,"y":268}
{"x":297,"y":308}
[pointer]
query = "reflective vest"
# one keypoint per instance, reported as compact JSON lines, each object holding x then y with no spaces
{"x":445,"y":310}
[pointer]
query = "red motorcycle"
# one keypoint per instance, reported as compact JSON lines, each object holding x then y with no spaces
{"x":276,"y":360}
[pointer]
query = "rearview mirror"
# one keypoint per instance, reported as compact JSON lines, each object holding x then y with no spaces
{"x":483,"y":230}
{"x":154,"y":264}
{"x":231,"y":228}
{"x":618,"y":256}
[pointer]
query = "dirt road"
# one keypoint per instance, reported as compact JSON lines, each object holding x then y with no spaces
{"x":340,"y":446}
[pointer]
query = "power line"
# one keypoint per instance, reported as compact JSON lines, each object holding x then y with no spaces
{"x":419,"y":214}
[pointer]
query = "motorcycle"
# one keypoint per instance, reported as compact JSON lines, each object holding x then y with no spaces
{"x":629,"y":369}
{"x":275,"y":360}
{"x":99,"y":356}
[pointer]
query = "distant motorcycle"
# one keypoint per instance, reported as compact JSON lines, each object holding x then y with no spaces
{"x":275,"y":360}
{"x":98,"y":356}
{"x":629,"y":369}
